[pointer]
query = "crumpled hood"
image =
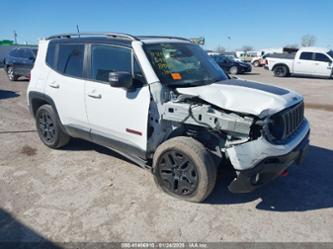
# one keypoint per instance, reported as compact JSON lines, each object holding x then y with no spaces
{"x":243,"y":96}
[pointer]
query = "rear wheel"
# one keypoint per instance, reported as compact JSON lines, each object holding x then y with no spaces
{"x":280,"y":71}
{"x":49,"y":129}
{"x":185,"y":169}
{"x":11,"y":74}
{"x":233,"y":70}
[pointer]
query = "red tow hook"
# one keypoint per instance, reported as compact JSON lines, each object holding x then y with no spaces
{"x":284,"y":173}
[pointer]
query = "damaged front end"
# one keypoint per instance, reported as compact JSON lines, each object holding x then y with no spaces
{"x":258,"y":149}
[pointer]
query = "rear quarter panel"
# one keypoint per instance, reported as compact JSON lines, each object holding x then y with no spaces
{"x":40,"y":70}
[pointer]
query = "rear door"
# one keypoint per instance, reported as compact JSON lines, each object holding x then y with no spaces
{"x":65,"y":84}
{"x":322,"y":65}
{"x":304,"y":64}
{"x":118,"y":117}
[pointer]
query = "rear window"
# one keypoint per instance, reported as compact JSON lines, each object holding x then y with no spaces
{"x":306,"y":56}
{"x":70,"y":60}
{"x":50,"y":57}
{"x":66,"y":58}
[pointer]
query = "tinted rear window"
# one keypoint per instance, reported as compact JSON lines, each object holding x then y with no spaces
{"x":66,"y":58}
{"x":70,"y":59}
{"x":50,"y":57}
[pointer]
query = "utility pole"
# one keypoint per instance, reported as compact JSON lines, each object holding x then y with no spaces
{"x":15,"y":37}
{"x":78,"y":30}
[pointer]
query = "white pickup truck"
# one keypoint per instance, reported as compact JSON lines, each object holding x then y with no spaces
{"x":306,"y":61}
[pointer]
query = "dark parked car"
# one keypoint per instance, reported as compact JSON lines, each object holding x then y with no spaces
{"x":232,"y":66}
{"x":19,"y":62}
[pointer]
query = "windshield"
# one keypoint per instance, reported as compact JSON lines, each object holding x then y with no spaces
{"x":183,"y":64}
{"x":330,"y":53}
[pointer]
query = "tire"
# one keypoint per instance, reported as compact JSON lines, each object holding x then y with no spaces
{"x":185,"y":169}
{"x":11,"y":74}
{"x":256,"y":63}
{"x":49,"y":128}
{"x":280,"y":71}
{"x":233,"y":70}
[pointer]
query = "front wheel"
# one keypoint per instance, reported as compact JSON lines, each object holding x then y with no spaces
{"x":11,"y":74}
{"x":185,"y":169}
{"x":233,"y":70}
{"x":280,"y":71}
{"x":256,"y":64}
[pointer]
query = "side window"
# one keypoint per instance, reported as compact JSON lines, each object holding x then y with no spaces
{"x":51,"y":56}
{"x":106,"y":59}
{"x":321,"y":57}
{"x":306,"y":56}
{"x":70,"y":59}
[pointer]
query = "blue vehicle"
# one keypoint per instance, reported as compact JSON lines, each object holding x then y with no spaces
{"x":230,"y":65}
{"x":19,"y":62}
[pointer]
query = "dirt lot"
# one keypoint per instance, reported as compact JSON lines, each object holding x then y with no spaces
{"x":87,"y":193}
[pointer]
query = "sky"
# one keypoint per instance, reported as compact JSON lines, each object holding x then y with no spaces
{"x":257,"y":23}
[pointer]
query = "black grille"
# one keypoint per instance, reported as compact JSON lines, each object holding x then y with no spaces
{"x":285,"y":123}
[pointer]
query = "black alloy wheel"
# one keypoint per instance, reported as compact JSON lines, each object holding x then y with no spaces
{"x":177,"y":173}
{"x":47,"y":128}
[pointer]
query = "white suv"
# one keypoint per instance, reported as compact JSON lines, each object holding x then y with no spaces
{"x":164,"y":104}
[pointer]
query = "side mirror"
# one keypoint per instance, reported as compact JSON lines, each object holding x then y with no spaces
{"x":121,"y":79}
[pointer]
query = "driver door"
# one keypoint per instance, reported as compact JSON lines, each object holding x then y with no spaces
{"x":117,"y":116}
{"x":322,"y":65}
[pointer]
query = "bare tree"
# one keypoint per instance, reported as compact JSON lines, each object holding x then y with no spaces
{"x":308,"y":40}
{"x":220,"y":49}
{"x":247,"y":48}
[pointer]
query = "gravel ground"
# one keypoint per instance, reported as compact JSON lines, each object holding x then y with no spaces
{"x":87,"y":193}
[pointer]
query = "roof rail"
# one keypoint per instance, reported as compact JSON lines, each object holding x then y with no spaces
{"x":108,"y":34}
{"x":162,"y":37}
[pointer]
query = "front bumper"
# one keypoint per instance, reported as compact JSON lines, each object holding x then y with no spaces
{"x":268,"y":169}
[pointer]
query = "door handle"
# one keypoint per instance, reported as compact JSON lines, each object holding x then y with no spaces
{"x":95,"y":95}
{"x":54,"y":85}
{"x":317,"y":64}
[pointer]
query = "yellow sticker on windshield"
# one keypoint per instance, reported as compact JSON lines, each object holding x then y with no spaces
{"x":176,"y":76}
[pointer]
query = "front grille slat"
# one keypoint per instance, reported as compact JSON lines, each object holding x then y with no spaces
{"x":291,"y":119}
